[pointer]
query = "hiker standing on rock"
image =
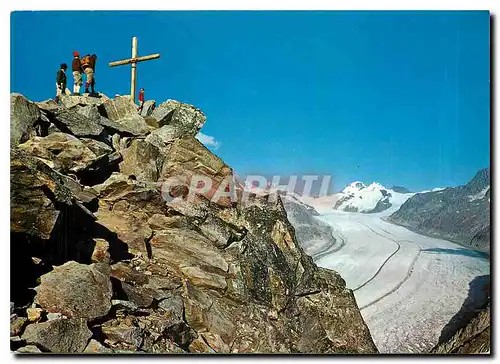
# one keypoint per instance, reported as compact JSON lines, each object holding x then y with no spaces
{"x":88,"y":65}
{"x":141,"y":100}
{"x":76,"y":67}
{"x":61,"y":81}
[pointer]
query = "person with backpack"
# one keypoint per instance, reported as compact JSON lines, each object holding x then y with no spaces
{"x":61,"y":81}
{"x":76,"y":67}
{"x":88,"y":65}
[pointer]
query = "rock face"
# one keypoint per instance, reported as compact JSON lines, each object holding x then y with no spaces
{"x":472,"y":339}
{"x":133,"y":256}
{"x":64,"y":336}
{"x":313,"y":235}
{"x":460,"y":214}
{"x":23,"y":115}
{"x":182,"y":116}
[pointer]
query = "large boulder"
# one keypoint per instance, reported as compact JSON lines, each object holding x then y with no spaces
{"x":77,"y":124}
{"x":65,"y":152}
{"x":165,"y":135}
{"x":186,"y":117}
{"x":63,"y":336}
{"x":118,"y":108}
{"x":70,"y":101}
{"x":35,"y":190}
{"x":23,"y":115}
{"x":130,"y":126}
{"x":76,"y":290}
{"x":148,"y":108}
{"x":142,"y":160}
{"x":49,"y":106}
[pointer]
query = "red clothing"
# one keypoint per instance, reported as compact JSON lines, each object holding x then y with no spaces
{"x":76,"y":65}
{"x":141,"y":96}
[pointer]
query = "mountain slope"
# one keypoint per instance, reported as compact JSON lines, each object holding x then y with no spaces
{"x":314,"y":235}
{"x":124,"y":262}
{"x":460,"y":214}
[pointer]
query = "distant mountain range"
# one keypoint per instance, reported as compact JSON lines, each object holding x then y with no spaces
{"x":459,"y":214}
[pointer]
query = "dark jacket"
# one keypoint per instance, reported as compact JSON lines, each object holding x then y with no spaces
{"x":76,"y":65}
{"x":93,"y":59}
{"x":61,"y":79}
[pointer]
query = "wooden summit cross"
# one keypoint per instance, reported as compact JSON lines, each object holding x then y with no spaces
{"x":134,"y":60}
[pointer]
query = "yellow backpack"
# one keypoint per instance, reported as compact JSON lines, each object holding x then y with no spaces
{"x":86,"y":61}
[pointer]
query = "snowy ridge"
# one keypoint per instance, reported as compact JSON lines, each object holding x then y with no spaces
{"x":357,"y":197}
{"x":480,"y":195}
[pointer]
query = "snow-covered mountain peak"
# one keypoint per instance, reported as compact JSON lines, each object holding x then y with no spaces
{"x":375,"y":186}
{"x":354,"y":187}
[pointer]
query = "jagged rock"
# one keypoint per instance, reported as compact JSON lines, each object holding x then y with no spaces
{"x":125,"y":305}
{"x":186,"y":117}
{"x":52,"y":129}
{"x":199,"y":277}
{"x":173,"y":305}
{"x":199,"y":346}
{"x":129,"y":126}
{"x":217,"y":275}
{"x":142,"y":160}
{"x":99,"y":148}
{"x":76,"y":290}
{"x":126,"y":273}
{"x":118,"y":108}
{"x":34,"y":186}
{"x":95,"y":347}
{"x":220,"y":232}
{"x":187,"y":157}
{"x":65,"y":152}
{"x":140,"y":295}
{"x":83,"y":193}
{"x":77,"y":124}
{"x":164,"y":135}
{"x":49,"y":106}
{"x":23,"y":115}
{"x":65,"y":336}
{"x":122,"y":334}
{"x":166,"y":326}
{"x":29,"y":349}
{"x":148,"y":108}
{"x":474,"y":338}
{"x":215,"y":342}
{"x":161,"y":346}
{"x":70,"y":101}
{"x":17,"y":325}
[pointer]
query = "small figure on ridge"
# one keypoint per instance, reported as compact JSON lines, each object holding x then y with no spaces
{"x":61,"y":81}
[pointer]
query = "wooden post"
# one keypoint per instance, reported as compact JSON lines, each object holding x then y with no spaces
{"x":133,"y":61}
{"x":134,"y":69}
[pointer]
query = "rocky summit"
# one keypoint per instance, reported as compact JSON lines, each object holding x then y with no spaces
{"x":106,"y":259}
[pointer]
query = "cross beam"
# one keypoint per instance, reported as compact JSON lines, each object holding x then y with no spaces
{"x":134,"y":60}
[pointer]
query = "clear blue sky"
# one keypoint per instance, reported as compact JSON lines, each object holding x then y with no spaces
{"x":395,"y":97}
